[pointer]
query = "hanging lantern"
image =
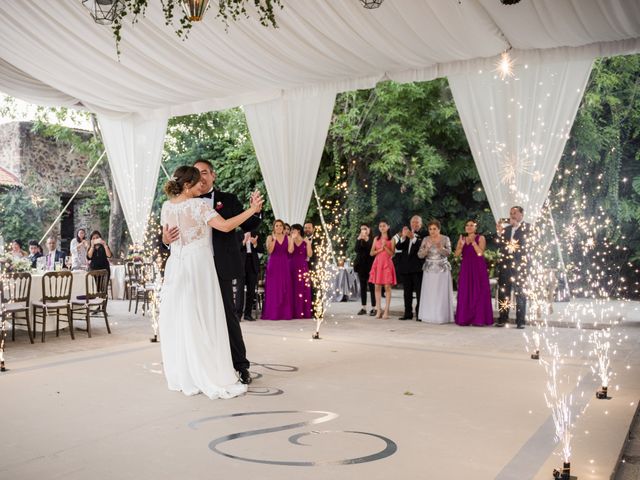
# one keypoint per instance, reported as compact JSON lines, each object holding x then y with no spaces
{"x":371,"y":4}
{"x":103,"y":12}
{"x":195,"y":9}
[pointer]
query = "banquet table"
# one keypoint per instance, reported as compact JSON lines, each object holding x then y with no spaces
{"x":346,"y":285}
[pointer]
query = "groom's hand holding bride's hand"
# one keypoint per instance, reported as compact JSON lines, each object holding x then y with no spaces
{"x":170,"y":234}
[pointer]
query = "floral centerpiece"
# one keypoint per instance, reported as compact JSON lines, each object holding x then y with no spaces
{"x":10,"y":264}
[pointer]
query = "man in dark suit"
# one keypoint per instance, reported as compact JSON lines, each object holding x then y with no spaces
{"x":226,"y":254}
{"x":249,"y":248}
{"x":34,"y":253}
{"x":512,"y":268}
{"x":409,"y":265}
{"x":53,"y":255}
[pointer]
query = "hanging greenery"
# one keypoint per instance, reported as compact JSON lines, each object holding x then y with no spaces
{"x":228,"y":10}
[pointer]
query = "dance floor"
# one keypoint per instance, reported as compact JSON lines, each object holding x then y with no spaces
{"x":372,"y":399}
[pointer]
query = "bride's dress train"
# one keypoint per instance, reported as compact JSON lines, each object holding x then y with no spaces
{"x":193,"y":331}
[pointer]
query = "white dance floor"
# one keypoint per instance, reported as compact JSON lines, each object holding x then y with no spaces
{"x":374,"y":399}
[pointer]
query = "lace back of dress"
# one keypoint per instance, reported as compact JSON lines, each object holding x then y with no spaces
{"x":188,"y":217}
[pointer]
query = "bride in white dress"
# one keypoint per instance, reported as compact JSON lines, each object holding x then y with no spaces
{"x":194,"y":341}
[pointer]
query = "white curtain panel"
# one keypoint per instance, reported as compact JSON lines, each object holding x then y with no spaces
{"x":134,"y":145}
{"x":517,"y":128}
{"x":289,"y":134}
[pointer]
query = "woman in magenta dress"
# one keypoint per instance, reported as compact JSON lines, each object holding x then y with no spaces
{"x":474,"y":293}
{"x":278,"y":290}
{"x":300,"y":251}
{"x":383,"y":273}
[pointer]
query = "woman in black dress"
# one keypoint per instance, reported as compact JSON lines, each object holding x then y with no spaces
{"x":99,"y":253}
{"x":362,"y":266}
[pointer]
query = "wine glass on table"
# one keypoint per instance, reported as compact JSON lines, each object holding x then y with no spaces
{"x":67,"y":262}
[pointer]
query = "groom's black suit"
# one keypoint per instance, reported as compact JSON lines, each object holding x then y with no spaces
{"x":226,"y":253}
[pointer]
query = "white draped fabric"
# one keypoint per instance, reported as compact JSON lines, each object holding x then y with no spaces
{"x":517,"y":128}
{"x":53,"y":53}
{"x":289,"y":134}
{"x":134,"y":145}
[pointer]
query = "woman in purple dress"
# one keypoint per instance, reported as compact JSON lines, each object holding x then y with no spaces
{"x":474,"y":293}
{"x":278,"y":291}
{"x":300,"y":251}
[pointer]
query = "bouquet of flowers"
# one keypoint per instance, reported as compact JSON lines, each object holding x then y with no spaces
{"x":10,"y":264}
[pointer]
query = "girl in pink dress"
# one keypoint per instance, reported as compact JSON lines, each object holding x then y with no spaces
{"x":382,"y":271}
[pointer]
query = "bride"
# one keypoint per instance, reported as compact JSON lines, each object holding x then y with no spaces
{"x":195,"y":343}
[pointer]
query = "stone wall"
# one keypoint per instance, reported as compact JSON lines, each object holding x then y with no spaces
{"x":50,"y":172}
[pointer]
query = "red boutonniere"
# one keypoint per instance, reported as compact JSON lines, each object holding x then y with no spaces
{"x":219,"y":205}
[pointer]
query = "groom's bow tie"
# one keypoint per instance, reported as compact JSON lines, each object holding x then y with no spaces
{"x":206,"y":195}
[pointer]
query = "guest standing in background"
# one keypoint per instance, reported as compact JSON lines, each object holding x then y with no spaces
{"x":287,"y":229}
{"x":436,"y":294}
{"x":383,"y":273}
{"x":512,"y":266}
{"x":300,"y":251}
{"x":474,"y":293}
{"x":278,"y":293}
{"x":99,"y":254}
{"x":362,"y":266}
{"x":79,"y":247}
{"x":410,"y":265}
{"x":250,"y":247}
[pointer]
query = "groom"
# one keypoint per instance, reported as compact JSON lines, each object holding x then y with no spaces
{"x":226,"y":253}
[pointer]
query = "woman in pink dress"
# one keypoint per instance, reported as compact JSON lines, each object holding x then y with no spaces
{"x":278,"y":291}
{"x":300,"y":251}
{"x":382,"y":271}
{"x":474,"y":292}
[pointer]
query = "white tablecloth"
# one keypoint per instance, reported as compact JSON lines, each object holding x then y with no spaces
{"x":346,"y":285}
{"x":117,"y":281}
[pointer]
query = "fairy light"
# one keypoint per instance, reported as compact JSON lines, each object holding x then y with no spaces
{"x":504,"y":66}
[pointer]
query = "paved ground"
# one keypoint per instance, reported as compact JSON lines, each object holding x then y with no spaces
{"x":372,"y":399}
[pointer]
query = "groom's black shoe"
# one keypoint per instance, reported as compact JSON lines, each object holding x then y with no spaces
{"x":249,"y":318}
{"x":245,"y":377}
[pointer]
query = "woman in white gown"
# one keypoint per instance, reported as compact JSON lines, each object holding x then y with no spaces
{"x":195,"y":347}
{"x":436,"y":294}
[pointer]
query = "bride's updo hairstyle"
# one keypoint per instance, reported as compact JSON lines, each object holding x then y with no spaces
{"x":182,"y":176}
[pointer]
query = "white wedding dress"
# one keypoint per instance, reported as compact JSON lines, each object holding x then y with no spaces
{"x":193,"y":330}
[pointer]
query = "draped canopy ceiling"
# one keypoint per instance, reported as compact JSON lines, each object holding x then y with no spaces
{"x":52,"y":53}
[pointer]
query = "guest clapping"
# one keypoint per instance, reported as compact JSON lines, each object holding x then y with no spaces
{"x":300,"y":251}
{"x":409,"y":265}
{"x":362,"y":266}
{"x":436,"y":295}
{"x":474,"y":293}
{"x":383,"y":273}
{"x":512,"y":266}
{"x":278,"y":298}
{"x":79,"y":248}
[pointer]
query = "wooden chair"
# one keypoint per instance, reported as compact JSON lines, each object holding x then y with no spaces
{"x":94,"y":301}
{"x":56,"y":294}
{"x":129,"y":278}
{"x":15,"y":290}
{"x":145,"y":285}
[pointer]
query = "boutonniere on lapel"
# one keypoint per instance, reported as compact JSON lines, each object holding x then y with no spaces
{"x":219,"y":205}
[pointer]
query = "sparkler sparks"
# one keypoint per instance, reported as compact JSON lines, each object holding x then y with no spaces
{"x":504,"y":66}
